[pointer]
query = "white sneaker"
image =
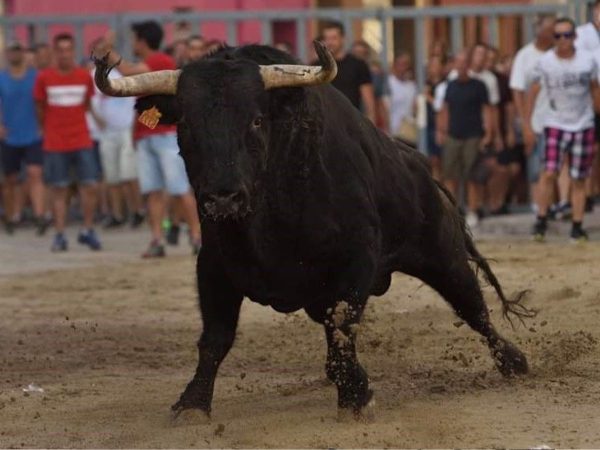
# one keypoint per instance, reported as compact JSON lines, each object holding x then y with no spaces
{"x":472,"y":219}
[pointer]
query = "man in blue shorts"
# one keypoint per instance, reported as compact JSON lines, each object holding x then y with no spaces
{"x":21,"y":135}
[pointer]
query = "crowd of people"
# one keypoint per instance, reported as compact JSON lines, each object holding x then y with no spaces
{"x":501,"y":130}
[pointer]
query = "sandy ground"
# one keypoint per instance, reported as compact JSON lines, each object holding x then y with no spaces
{"x":111,"y":340}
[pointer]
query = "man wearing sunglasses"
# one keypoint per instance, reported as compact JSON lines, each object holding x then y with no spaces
{"x":570,"y":79}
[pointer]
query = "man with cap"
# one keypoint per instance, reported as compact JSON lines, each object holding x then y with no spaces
{"x":21,"y":138}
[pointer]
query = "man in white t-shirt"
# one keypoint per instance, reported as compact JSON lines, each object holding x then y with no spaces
{"x":588,"y":38}
{"x":521,"y":78}
{"x":570,"y":78}
{"x":118,"y":156}
{"x":403,"y":91}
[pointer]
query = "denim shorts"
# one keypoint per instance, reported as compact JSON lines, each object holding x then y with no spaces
{"x":58,"y":167}
{"x":13,"y":157}
{"x":160,"y":167}
{"x":534,"y":160}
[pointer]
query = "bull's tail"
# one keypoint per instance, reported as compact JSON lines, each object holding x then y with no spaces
{"x":510,"y":307}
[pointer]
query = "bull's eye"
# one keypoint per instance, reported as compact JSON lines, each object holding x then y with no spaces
{"x":257,"y":123}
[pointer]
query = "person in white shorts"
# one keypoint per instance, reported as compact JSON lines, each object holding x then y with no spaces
{"x":118,"y":157}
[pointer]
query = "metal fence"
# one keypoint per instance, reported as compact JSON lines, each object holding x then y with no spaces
{"x":37,"y":27}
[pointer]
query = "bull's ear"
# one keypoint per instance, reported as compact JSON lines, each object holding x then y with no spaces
{"x":158,"y":109}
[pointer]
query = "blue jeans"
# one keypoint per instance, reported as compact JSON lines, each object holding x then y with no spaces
{"x":160,"y":167}
{"x":58,"y":166}
{"x":534,"y":161}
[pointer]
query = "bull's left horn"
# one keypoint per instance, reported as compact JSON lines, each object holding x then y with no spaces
{"x":290,"y":75}
{"x":152,"y":83}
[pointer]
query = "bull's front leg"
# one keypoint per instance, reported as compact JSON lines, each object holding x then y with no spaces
{"x":220,"y":306}
{"x":341,"y":321}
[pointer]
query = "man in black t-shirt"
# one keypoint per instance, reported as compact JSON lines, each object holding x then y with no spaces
{"x":461,"y":124}
{"x":354,"y":77}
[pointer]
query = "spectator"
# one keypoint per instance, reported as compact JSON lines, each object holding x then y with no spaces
{"x":506,"y":164}
{"x":570,"y":80}
{"x":521,"y":78}
{"x":588,"y":38}
{"x":63,"y":96}
{"x":21,"y":138}
{"x":435,"y":76}
{"x":461,"y":129}
{"x":159,"y":165}
{"x":43,"y":56}
{"x":353,"y":78}
{"x":363,"y":51}
{"x":194,"y":48}
{"x":403,"y":93}
{"x":118,"y":156}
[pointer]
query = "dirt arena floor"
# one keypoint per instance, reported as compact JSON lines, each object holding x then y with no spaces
{"x":113,"y":344}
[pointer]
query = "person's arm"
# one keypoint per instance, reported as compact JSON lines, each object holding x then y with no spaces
{"x":528,"y":134}
{"x":509,"y":115}
{"x":106,"y":46}
{"x":40,"y":110}
{"x":595,"y":88}
{"x":368,"y":100}
{"x":489,"y":121}
{"x":441,"y":125}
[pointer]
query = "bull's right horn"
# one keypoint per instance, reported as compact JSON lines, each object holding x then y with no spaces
{"x":151,"y":83}
{"x":291,"y":75}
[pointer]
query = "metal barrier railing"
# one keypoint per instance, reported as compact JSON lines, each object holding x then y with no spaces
{"x":38,"y":26}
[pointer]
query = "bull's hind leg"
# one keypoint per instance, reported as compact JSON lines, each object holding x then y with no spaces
{"x":458,"y":284}
{"x":220,"y":307}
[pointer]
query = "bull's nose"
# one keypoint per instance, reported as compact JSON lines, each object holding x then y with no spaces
{"x":224,"y":204}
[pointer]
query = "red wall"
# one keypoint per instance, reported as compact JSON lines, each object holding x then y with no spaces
{"x":248,"y":32}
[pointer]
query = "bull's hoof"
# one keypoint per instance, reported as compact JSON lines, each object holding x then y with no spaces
{"x":365,"y":414}
{"x":188,"y":416}
{"x":509,"y":360}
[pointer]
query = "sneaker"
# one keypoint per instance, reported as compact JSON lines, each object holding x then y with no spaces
{"x":89,"y":238}
{"x":60,"y":243}
{"x":538,"y":232}
{"x":137,"y":219}
{"x":563,"y":211}
{"x":578,"y":235}
{"x":113,"y":222}
{"x":10,"y":227}
{"x":196,"y":247}
{"x":173,"y":235}
{"x":472,"y":219}
{"x":41,"y":225}
{"x":155,"y":250}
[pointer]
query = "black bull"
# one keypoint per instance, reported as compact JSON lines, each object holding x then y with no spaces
{"x":306,"y":205}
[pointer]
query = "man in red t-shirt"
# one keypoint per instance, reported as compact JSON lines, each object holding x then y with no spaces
{"x":62,"y":94}
{"x":160,"y":167}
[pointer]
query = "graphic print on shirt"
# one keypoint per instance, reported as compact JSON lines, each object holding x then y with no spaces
{"x":66,"y":95}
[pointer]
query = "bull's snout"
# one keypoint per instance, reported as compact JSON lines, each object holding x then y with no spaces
{"x":224,"y":204}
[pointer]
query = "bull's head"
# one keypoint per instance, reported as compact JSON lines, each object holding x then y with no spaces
{"x":222,"y":110}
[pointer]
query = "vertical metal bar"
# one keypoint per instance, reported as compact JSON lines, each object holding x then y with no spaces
{"x":349,"y":39}
{"x":79,"y":44}
{"x":41,"y":34}
{"x":527,"y":28}
{"x":9,"y":32}
{"x":301,"y":50}
{"x":494,"y":37}
{"x":383,"y":18}
{"x":232,"y":37}
{"x":419,"y":32}
{"x":267,"y":32}
{"x":456,"y":33}
{"x":199,"y":28}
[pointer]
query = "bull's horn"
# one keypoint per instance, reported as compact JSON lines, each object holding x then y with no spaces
{"x":152,"y":83}
{"x":289,"y":75}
